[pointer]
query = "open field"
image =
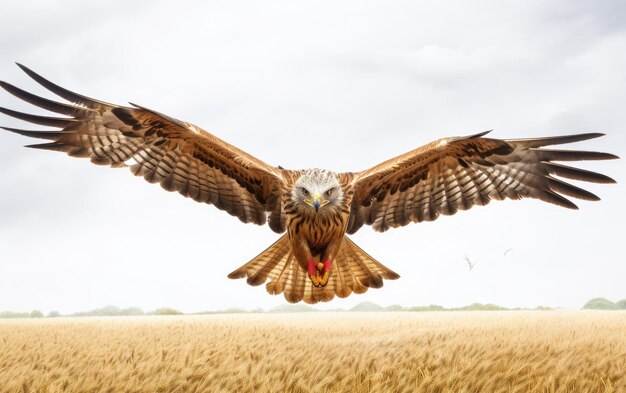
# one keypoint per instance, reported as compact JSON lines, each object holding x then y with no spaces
{"x":514,"y":351}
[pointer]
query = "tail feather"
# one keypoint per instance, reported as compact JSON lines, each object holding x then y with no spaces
{"x":353,"y":270}
{"x":277,"y":284}
{"x":273,"y":259}
{"x":367,"y":277}
{"x":265,"y":263}
{"x":294,"y":288}
{"x":354,"y":275}
{"x":342,"y":279}
{"x":278,"y":276}
{"x":371,"y":264}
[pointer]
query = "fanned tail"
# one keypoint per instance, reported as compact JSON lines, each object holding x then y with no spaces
{"x":353,"y":270}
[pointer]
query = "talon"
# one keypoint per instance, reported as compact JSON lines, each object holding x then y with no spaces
{"x":319,"y":272}
{"x":324,"y":279}
{"x":312,"y":271}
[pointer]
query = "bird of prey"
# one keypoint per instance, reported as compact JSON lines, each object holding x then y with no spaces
{"x":315,"y":208}
{"x":470,"y":264}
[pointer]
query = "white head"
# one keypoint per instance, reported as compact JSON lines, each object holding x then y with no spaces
{"x":318,"y":189}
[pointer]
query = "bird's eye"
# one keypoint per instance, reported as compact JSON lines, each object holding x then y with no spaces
{"x":305,"y":192}
{"x":330,"y":192}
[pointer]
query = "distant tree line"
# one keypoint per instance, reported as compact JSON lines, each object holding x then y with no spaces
{"x":106,"y":311}
{"x":600,"y":303}
{"x":114,"y":311}
{"x":32,"y":314}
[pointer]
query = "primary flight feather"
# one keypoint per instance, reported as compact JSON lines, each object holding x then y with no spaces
{"x":314,"y":260}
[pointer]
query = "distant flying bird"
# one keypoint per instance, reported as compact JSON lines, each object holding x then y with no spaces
{"x":314,"y":260}
{"x":469,"y":262}
{"x":508,"y":251}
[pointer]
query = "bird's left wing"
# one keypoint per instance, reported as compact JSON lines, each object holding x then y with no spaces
{"x":178,"y":155}
{"x":457,"y":173}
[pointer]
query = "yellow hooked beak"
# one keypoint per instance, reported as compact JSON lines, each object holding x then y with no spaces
{"x":317,"y":201}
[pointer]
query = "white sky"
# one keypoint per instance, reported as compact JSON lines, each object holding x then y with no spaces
{"x":338,"y":85}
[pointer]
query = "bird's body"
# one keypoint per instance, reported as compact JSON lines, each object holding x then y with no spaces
{"x":314,"y":209}
{"x":320,"y":231}
{"x":315,"y":243}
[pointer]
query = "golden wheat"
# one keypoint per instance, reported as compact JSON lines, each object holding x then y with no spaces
{"x":516,"y":351}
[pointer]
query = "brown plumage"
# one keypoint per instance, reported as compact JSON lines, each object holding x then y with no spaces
{"x":314,"y":260}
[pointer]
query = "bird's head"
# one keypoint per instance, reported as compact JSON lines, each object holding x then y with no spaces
{"x":318,"y":189}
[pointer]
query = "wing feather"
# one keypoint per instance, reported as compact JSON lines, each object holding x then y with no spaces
{"x":177,"y":155}
{"x":53,"y":106}
{"x":457,"y":173}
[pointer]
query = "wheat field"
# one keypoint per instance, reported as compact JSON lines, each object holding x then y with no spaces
{"x":515,"y":351}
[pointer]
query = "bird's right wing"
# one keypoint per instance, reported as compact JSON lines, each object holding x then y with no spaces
{"x":178,"y":155}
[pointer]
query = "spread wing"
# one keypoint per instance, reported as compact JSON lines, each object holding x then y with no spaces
{"x":457,"y":173}
{"x":178,"y":155}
